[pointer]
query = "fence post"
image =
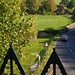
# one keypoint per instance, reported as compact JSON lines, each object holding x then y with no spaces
{"x":54,"y":63}
{"x":11,"y":61}
{"x":54,"y":59}
{"x":11,"y":64}
{"x":12,"y":56}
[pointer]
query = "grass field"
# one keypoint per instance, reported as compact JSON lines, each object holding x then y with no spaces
{"x":38,"y":46}
{"x":55,"y":22}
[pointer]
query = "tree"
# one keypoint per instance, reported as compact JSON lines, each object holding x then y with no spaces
{"x":51,"y":6}
{"x":64,"y":2}
{"x":23,"y":5}
{"x":32,"y":6}
{"x":14,"y":28}
{"x":42,"y":7}
{"x":71,"y":4}
{"x":73,"y":16}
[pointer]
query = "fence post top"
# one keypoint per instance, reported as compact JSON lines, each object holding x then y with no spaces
{"x":10,"y":45}
{"x":53,"y":49}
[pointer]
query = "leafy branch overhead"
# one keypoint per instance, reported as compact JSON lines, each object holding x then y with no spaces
{"x":14,"y":28}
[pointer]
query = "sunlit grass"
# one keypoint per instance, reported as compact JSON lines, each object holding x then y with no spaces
{"x":55,"y":22}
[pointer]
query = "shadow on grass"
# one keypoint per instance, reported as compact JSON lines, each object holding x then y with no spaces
{"x":42,"y":53}
{"x":52,"y":31}
{"x":51,"y":38}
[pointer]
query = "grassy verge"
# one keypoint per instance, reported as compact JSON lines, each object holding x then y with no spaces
{"x":51,"y":41}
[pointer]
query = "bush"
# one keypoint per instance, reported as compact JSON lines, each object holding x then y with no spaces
{"x":25,"y":13}
{"x":68,"y":10}
{"x":54,"y":13}
{"x":62,"y":13}
{"x":51,"y":31}
{"x":48,"y":13}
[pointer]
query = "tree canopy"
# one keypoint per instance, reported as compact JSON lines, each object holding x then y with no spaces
{"x":14,"y":28}
{"x":35,"y":6}
{"x":73,"y":16}
{"x":32,"y":6}
{"x":71,"y":4}
{"x":23,"y":5}
{"x":64,"y":2}
{"x":51,"y":6}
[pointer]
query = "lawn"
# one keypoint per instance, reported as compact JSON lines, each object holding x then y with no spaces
{"x":55,"y":22}
{"x":38,"y":46}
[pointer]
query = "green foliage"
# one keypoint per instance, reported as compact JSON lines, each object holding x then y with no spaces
{"x":44,"y":12}
{"x":14,"y":29}
{"x":73,"y":17}
{"x":51,"y":31}
{"x":37,"y":6}
{"x":32,"y":6}
{"x":68,"y":10}
{"x":51,"y":6}
{"x":64,"y":2}
{"x":42,"y":8}
{"x":23,"y":5}
{"x":10,"y":15}
{"x":71,"y":4}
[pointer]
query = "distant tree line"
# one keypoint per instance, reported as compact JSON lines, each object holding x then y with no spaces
{"x":38,"y":6}
{"x":44,"y":6}
{"x":68,"y":3}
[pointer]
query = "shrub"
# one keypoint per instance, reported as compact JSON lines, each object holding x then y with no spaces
{"x":68,"y":10}
{"x":51,"y":31}
{"x":62,"y":13}
{"x":54,"y":13}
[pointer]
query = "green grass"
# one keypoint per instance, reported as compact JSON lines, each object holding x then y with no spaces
{"x":55,"y":22}
{"x":38,"y":46}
